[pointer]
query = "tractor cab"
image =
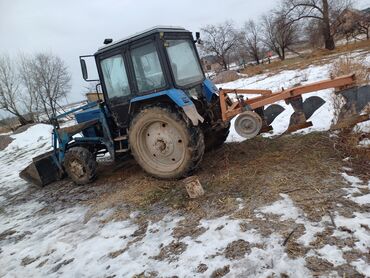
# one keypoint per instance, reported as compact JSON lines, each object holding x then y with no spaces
{"x":148,"y":67}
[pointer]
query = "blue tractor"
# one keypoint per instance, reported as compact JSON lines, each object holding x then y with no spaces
{"x":158,"y":107}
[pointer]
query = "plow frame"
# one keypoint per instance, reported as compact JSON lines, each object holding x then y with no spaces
{"x":230,"y":109}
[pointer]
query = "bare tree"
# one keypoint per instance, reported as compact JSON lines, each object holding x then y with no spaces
{"x":363,"y":23}
{"x":31,"y":98}
{"x":313,"y":34}
{"x":252,"y":40}
{"x":325,"y":11}
{"x":10,"y":89}
{"x":220,"y":40}
{"x":279,"y":33}
{"x":50,"y":78}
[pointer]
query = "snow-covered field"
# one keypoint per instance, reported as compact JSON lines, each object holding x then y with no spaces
{"x":35,"y":243}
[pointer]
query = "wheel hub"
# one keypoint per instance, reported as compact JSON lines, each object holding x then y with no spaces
{"x":163,"y":143}
{"x":77,"y":169}
{"x":248,"y":124}
{"x":163,"y":146}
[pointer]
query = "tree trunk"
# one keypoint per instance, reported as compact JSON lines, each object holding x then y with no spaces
{"x":257,"y":59}
{"x":329,"y":41}
{"x":22,"y":120}
{"x":282,"y":53}
{"x":328,"y":38}
{"x":224,"y":64}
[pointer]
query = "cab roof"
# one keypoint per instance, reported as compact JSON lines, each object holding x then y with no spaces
{"x":142,"y":34}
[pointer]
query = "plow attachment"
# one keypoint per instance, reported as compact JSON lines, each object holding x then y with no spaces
{"x":253,"y":118}
{"x":356,"y":100}
{"x":43,"y":170}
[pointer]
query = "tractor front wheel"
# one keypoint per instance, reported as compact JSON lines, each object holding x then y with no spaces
{"x":165,"y":143}
{"x":80,"y":165}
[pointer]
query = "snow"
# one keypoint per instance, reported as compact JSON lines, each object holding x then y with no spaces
{"x":362,"y":267}
{"x":356,"y":184}
{"x":365,"y":142}
{"x":332,"y":254}
{"x":284,"y":207}
{"x":18,"y":155}
{"x":356,"y":224}
{"x":31,"y":136}
{"x":287,"y":210}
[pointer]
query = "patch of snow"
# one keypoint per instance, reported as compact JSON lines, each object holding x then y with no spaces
{"x":356,"y":224}
{"x":354,"y":181}
{"x":18,"y":155}
{"x":356,"y":184}
{"x":287,"y":210}
{"x":362,"y":267}
{"x":31,"y":136}
{"x":365,"y":142}
{"x":6,"y":133}
{"x":332,"y":254}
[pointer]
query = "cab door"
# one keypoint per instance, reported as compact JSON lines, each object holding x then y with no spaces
{"x":116,"y":85}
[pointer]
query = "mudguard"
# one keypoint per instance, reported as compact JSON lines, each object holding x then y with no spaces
{"x":209,"y":89}
{"x":180,"y":98}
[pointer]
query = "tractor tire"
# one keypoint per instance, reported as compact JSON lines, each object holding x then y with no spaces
{"x":165,"y":143}
{"x":80,"y":165}
{"x":214,"y":139}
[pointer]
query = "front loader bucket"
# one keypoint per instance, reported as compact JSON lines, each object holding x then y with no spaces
{"x":43,"y":170}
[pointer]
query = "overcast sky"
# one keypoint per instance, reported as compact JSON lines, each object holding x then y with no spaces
{"x":70,"y":28}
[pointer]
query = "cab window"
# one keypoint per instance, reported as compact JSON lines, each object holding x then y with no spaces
{"x":115,"y":77}
{"x":148,"y":71}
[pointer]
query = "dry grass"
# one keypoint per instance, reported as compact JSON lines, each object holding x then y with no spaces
{"x":346,"y":65}
{"x":226,"y":76}
{"x":255,"y":170}
{"x":359,"y":157}
{"x":316,"y":57}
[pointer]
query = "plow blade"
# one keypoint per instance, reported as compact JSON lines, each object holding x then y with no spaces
{"x":356,"y":99}
{"x":272,"y":112}
{"x":303,"y":110}
{"x":43,"y":170}
{"x":311,"y":104}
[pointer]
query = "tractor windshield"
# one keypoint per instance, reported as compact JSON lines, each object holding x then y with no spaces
{"x":184,"y":62}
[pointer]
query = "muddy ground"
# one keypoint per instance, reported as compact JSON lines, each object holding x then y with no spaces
{"x":250,"y":174}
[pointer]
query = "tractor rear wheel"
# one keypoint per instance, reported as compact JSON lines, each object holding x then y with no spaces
{"x":214,"y":139}
{"x":80,"y":165}
{"x":165,"y":143}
